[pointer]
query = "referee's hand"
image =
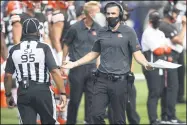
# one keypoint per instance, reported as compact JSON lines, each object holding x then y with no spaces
{"x":63,"y":103}
{"x":10,"y":101}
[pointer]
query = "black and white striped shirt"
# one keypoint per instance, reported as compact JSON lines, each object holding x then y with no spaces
{"x":31,"y":59}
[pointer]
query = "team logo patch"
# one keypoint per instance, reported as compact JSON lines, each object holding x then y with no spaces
{"x":94,"y":33}
{"x":138,"y":46}
{"x":120,"y":35}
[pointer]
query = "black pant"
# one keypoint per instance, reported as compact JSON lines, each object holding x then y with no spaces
{"x":80,"y":79}
{"x":109,"y":92}
{"x":181,"y":74}
{"x":132,"y":115}
{"x":155,"y":84}
{"x":169,"y":96}
{"x":37,"y":99}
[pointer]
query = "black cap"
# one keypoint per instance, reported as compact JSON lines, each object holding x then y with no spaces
{"x":154,"y":16}
{"x":31,"y":25}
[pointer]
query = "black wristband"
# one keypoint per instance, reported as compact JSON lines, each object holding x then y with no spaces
{"x":8,"y":94}
{"x":63,"y":93}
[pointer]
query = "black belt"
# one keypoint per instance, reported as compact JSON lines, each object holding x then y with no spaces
{"x":113,"y":77}
{"x":32,"y":82}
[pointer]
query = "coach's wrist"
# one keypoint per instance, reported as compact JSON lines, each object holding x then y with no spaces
{"x":145,"y":64}
{"x":76,"y":63}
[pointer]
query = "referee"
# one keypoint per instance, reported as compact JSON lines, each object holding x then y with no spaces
{"x":32,"y":66}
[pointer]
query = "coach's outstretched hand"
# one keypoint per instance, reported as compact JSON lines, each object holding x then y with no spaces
{"x":69,"y":64}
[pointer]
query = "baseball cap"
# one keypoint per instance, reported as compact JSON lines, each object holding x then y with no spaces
{"x":154,"y":16}
{"x":31,"y":25}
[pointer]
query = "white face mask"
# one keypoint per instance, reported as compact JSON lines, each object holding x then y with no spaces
{"x":100,"y":19}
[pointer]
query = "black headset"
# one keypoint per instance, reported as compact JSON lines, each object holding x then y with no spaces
{"x":117,"y":4}
{"x":169,"y":9}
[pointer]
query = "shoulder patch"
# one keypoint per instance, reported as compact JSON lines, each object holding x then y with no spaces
{"x":57,"y":18}
{"x":15,"y":18}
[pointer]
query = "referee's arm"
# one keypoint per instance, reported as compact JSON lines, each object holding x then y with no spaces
{"x":54,"y":69}
{"x":9,"y":71}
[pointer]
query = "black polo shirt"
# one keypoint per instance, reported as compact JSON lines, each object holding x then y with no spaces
{"x":169,"y":30}
{"x":80,"y":39}
{"x":116,"y":49}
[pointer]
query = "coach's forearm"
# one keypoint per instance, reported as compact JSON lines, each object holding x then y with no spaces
{"x":58,"y":80}
{"x":87,"y":58}
{"x":8,"y":82}
{"x":140,"y":58}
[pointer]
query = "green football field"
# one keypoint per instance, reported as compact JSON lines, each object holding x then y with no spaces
{"x":9,"y":116}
